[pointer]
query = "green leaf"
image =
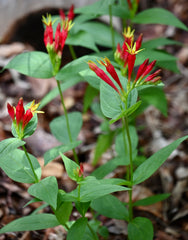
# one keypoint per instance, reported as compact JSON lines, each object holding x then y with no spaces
{"x":89,"y":95}
{"x":31,"y":223}
{"x":46,"y":190}
{"x":140,"y":228}
{"x":8,"y":145}
{"x":71,"y":167}
{"x":74,"y":67}
{"x":122,"y":149}
{"x":83,"y":39}
{"x":151,"y":200}
{"x":110,"y":100}
{"x":146,"y":169}
{"x":82,"y":207}
{"x":158,"y":42}
{"x":97,"y":30}
{"x":78,"y":229}
{"x":92,"y":189}
{"x":164,"y":59}
{"x":59,"y":129}
{"x":158,"y":16}
{"x":16,"y":165}
{"x":72,"y":80}
{"x":104,"y":141}
{"x":108,"y":167}
{"x":154,"y":96}
{"x":63,"y":212}
{"x":111,"y":207}
{"x":94,"y":225}
{"x":34,"y":64}
{"x":54,"y":152}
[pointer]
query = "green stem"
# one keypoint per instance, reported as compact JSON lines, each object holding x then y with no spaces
{"x":73,"y":54}
{"x":91,"y":230}
{"x":130,"y":175}
{"x":29,"y":160}
{"x":67,"y":120}
{"x":111,"y":27}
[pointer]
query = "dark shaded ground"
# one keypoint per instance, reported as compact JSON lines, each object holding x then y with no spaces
{"x":170,"y":218}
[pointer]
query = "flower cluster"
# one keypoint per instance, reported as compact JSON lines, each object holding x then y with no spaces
{"x":20,"y":117}
{"x":56,"y":45}
{"x":110,"y":69}
{"x":126,"y":57}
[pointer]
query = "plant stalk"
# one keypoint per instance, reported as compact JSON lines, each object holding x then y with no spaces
{"x":73,"y":54}
{"x":31,"y":165}
{"x":130,"y":173}
{"x":67,"y":120}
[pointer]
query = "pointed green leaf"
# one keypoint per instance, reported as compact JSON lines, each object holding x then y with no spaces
{"x":54,"y":152}
{"x":89,"y":95}
{"x":140,"y":228}
{"x":151,"y":200}
{"x":78,"y":229}
{"x":71,"y":167}
{"x":34,"y":64}
{"x":16,"y":165}
{"x":111,"y":207}
{"x":31,"y":223}
{"x":46,"y":190}
{"x":158,"y":16}
{"x":154,"y":96}
{"x":59,"y":129}
{"x":63,"y":212}
{"x":158,"y":42}
{"x":8,"y":145}
{"x":146,"y":169}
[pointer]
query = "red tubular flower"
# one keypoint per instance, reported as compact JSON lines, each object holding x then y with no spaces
{"x":111,"y":70}
{"x":70,"y":15}
{"x":149,"y":68}
{"x":131,"y":61}
{"x":19,"y":111}
{"x":100,"y":73}
{"x":81,"y":170}
{"x":152,"y":76}
{"x":58,"y":39}
{"x":62,"y":14}
{"x":11,"y":111}
{"x":129,"y":3}
{"x":142,"y":69}
{"x":26,"y":118}
{"x":139,"y":42}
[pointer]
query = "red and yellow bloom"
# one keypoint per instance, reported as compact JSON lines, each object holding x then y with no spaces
{"x":20,"y":117}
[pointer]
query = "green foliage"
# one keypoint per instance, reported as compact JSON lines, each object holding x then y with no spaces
{"x":46,"y":190}
{"x":158,"y":16}
{"x":63,"y":212}
{"x":34,"y":64}
{"x":111,"y":207}
{"x":90,"y":94}
{"x":15,"y":163}
{"x":140,"y":228}
{"x":55,"y":152}
{"x":31,"y":223}
{"x":59,"y":128}
{"x":8,"y":145}
{"x":151,"y":200}
{"x":78,"y":229}
{"x":146,"y":169}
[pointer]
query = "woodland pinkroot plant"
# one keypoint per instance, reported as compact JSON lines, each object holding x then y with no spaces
{"x":124,"y":94}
